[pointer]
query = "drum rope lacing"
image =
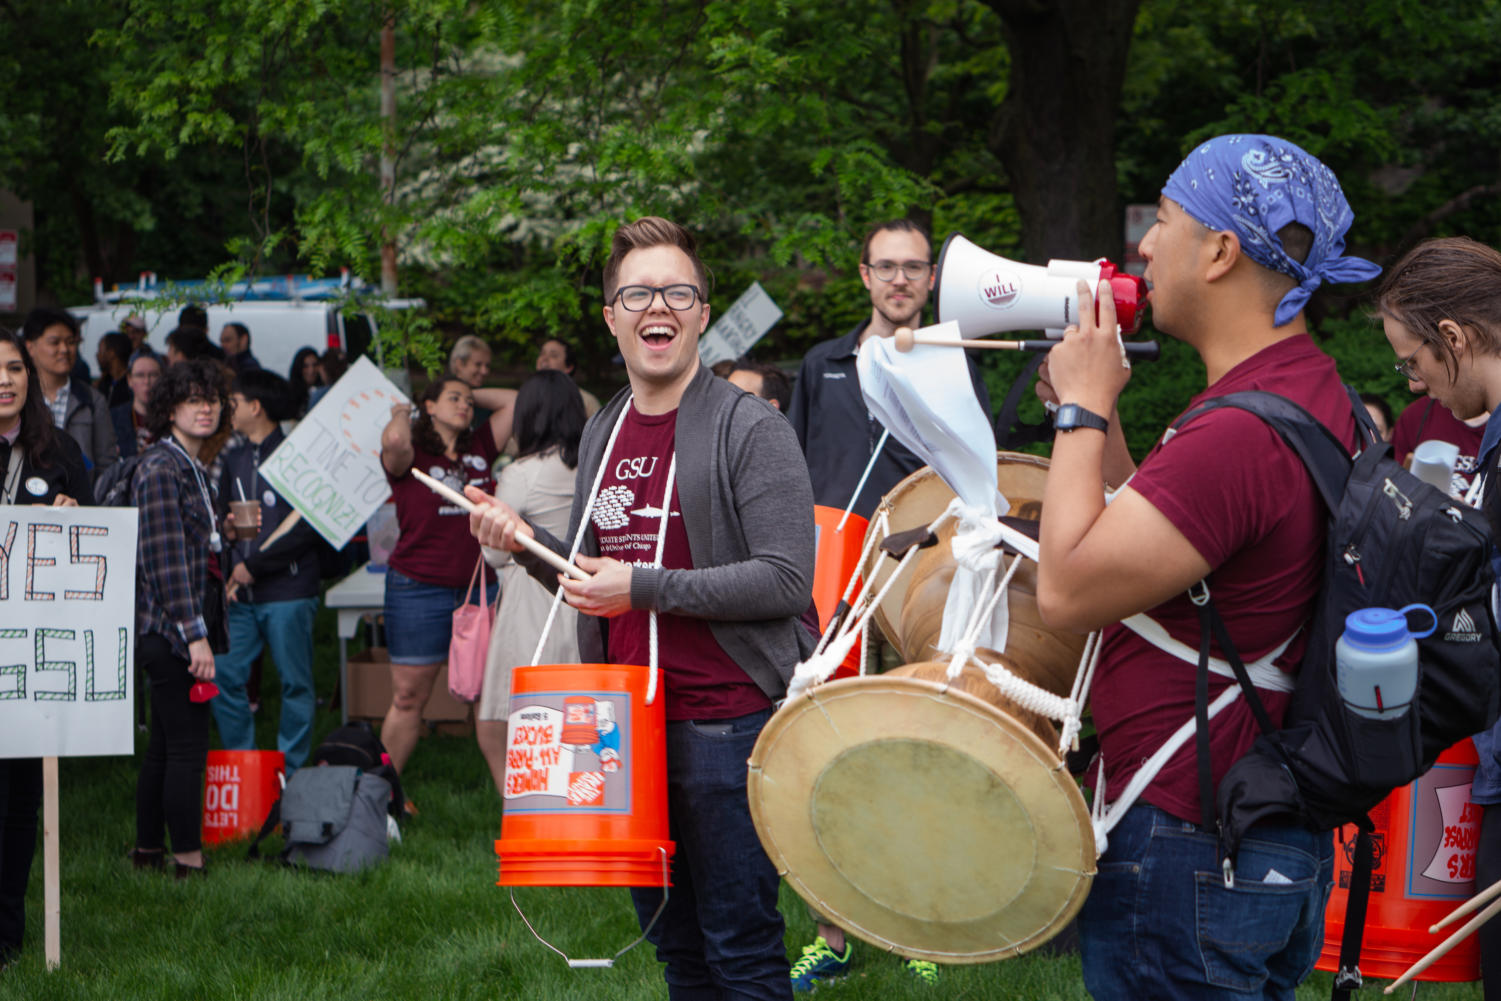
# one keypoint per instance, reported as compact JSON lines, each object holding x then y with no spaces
{"x":583,"y":529}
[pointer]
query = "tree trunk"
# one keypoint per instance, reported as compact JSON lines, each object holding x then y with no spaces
{"x":1055,"y":131}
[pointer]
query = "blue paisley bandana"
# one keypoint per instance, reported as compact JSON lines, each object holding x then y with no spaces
{"x":1253,"y":186}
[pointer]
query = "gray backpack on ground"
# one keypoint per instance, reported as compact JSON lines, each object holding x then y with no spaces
{"x":334,"y":818}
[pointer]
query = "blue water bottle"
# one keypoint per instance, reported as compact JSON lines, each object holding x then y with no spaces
{"x":1376,"y":661}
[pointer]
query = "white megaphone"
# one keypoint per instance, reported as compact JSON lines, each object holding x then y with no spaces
{"x":987,"y":294}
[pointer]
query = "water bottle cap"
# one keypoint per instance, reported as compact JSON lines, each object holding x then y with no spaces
{"x":1382,"y":628}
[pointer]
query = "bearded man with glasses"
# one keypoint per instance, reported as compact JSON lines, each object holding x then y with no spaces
{"x":840,"y":438}
{"x":837,"y":432}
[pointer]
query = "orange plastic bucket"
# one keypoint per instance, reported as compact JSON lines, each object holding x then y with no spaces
{"x":836,"y":560}
{"x":238,"y":790}
{"x":586,"y":779}
{"x":1425,"y":841}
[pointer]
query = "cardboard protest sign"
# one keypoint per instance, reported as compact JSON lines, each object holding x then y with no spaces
{"x":67,"y":631}
{"x":737,"y":328}
{"x":329,"y":467}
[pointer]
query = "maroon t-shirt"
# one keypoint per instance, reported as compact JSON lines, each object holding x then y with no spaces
{"x":1426,"y":419}
{"x":435,"y":545}
{"x":700,"y":679}
{"x":1246,"y":503}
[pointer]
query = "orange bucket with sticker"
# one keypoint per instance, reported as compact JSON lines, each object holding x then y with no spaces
{"x":239,"y":788}
{"x":1425,"y":840}
{"x":835,"y":562}
{"x":586,"y":779}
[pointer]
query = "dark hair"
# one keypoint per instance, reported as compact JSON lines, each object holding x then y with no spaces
{"x":1454,"y":279}
{"x":182,"y":382}
{"x":37,"y":434}
{"x":193,"y":315}
{"x":193,"y":343}
{"x":244,"y":331}
{"x":424,"y":435}
{"x":43,"y":317}
{"x":268,"y":389}
{"x":723,"y":367}
{"x":1379,"y":402}
{"x":549,"y":414}
{"x":774,"y":382}
{"x":568,"y":356}
{"x":297,"y":387}
{"x":148,"y":354}
{"x":334,"y":366}
{"x":892,"y":226}
{"x":117,"y":344}
{"x":651,"y":231}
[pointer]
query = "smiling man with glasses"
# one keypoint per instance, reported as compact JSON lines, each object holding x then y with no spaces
{"x":701,"y":549}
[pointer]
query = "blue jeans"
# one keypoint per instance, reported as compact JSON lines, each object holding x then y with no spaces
{"x":1160,"y":922}
{"x":721,"y":933}
{"x":287,"y":628}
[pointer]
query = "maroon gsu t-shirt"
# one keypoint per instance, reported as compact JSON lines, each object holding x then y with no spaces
{"x":435,"y":546}
{"x":1427,"y":419}
{"x":700,"y":679}
{"x":1245,"y":501}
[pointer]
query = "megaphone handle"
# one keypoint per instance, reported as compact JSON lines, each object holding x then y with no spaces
{"x":1139,"y":350}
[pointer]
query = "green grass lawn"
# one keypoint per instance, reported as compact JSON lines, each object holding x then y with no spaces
{"x":429,"y":924}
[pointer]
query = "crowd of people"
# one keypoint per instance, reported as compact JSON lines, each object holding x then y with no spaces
{"x":707,"y":570}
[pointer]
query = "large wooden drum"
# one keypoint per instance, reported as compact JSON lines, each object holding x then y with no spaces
{"x":918,"y":500}
{"x":921,"y":817}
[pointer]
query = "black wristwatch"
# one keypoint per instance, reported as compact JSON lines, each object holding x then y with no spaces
{"x":1071,"y":417}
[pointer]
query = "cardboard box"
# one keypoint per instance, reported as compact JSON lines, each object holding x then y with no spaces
{"x":369,"y":694}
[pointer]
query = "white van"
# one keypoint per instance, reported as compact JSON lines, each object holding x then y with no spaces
{"x":283,"y":315}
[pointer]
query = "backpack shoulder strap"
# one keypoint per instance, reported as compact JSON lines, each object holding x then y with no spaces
{"x":1327,"y":461}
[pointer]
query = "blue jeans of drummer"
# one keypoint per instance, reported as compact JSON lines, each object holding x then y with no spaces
{"x":1160,"y":922}
{"x":720,"y":933}
{"x":286,"y":628}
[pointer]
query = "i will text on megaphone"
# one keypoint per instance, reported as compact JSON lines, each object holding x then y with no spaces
{"x":987,"y":294}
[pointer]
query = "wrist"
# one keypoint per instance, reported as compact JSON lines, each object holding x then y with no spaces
{"x":1073,"y":416}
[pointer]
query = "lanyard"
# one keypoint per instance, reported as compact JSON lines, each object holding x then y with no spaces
{"x":13,"y":473}
{"x":214,"y":542}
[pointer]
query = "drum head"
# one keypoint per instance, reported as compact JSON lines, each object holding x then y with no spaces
{"x":919,"y":499}
{"x":921,"y":819}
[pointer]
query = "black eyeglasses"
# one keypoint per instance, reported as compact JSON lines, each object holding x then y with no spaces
{"x":913,"y":270}
{"x":1404,"y":367}
{"x":637,"y":298}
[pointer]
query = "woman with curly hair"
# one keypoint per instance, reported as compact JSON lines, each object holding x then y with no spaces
{"x":38,"y":465}
{"x":180,"y":619}
{"x":430,"y":568}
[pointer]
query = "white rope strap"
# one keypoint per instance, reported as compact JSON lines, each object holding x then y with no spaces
{"x":651,"y":629}
{"x":964,"y":650}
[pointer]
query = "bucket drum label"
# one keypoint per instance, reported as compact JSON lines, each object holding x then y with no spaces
{"x":1445,"y":830}
{"x":221,"y":798}
{"x":569,"y":752}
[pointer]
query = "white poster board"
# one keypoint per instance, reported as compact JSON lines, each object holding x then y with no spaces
{"x":329,"y":467}
{"x":67,"y":631}
{"x":739,"y":327}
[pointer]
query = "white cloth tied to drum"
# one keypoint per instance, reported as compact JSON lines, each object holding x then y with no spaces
{"x":922,"y":397}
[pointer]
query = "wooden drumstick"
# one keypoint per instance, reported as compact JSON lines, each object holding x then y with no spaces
{"x":528,"y":543}
{"x":1446,"y":945}
{"x":906,"y":340}
{"x":1473,"y":904}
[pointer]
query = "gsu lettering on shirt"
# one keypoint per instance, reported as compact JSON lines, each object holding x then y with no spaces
{"x":628,"y":512}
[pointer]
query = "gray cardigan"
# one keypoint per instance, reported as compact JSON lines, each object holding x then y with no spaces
{"x":88,"y":422}
{"x":748,"y":511}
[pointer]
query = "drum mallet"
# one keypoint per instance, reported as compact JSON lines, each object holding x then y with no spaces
{"x":528,"y":543}
{"x":1491,"y":894}
{"x":906,"y":340}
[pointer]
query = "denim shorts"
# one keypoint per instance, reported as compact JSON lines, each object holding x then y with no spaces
{"x":419,"y":619}
{"x":1160,"y":922}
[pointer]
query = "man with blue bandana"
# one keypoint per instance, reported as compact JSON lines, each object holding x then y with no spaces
{"x":1247,"y":227}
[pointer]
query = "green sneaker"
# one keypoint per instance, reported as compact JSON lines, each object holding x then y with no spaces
{"x":923,"y":970}
{"x":819,"y":963}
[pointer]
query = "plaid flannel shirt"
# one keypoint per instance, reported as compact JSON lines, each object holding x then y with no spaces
{"x":172,"y":574}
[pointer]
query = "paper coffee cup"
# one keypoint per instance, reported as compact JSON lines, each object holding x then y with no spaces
{"x":1433,"y":463}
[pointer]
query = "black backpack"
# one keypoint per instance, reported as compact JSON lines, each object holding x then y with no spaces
{"x":113,"y":486}
{"x":354,"y":745}
{"x":1393,"y":540}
